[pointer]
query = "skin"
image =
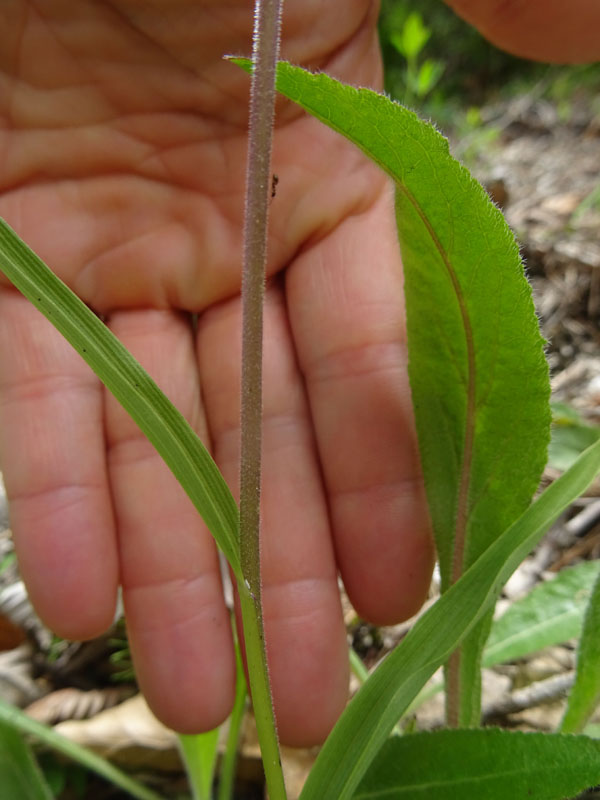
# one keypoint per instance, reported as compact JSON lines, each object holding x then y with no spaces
{"x":122,"y":161}
{"x":553,"y":31}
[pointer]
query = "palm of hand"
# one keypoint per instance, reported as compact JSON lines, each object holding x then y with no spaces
{"x":124,"y":164}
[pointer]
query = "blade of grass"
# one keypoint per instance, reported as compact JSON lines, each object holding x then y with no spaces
{"x":156,"y":416}
{"x":199,"y":754}
{"x":372,"y":713}
{"x":227,"y":773}
{"x":357,"y":666}
{"x":20,"y":775}
{"x":585,"y":694}
{"x":551,"y":613}
{"x":20,"y":721}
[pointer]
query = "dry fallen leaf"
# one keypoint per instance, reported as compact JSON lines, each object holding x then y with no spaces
{"x":71,"y":703}
{"x":128,"y":734}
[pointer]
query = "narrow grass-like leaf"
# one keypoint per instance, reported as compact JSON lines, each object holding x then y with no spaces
{"x":229,"y":761}
{"x":375,"y":709}
{"x":585,"y":694}
{"x":199,"y":753}
{"x":487,"y":764}
{"x":478,"y":375}
{"x":20,"y":776}
{"x":550,"y":614}
{"x":19,"y":721}
{"x":361,"y":673}
{"x":156,"y":416}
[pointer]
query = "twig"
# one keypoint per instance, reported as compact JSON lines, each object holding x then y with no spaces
{"x":533,"y":695}
{"x":585,"y":520}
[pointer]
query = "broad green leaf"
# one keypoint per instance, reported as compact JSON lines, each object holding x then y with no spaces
{"x":156,"y":416}
{"x":199,"y":752}
{"x":550,"y":614}
{"x":478,"y":375}
{"x":372,"y":713}
{"x":17,"y":720}
{"x":20,"y":776}
{"x":585,"y":694}
{"x":487,"y":764}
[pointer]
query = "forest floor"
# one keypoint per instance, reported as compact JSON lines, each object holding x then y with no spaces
{"x":544,"y":171}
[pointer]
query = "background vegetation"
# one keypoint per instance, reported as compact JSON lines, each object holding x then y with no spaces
{"x":472,"y":71}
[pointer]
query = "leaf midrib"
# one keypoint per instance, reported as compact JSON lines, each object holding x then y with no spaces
{"x":460,"y":525}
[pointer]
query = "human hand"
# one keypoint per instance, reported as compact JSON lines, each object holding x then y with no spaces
{"x":123,"y":159}
{"x":123,"y":167}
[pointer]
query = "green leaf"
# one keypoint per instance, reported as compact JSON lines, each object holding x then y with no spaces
{"x":550,"y":614}
{"x":227,"y":771}
{"x":592,"y":730}
{"x":17,"y":720}
{"x":156,"y":416}
{"x":585,"y":694}
{"x":488,"y":764}
{"x":570,"y":436}
{"x":413,"y":37}
{"x":429,"y":74}
{"x":372,"y":713}
{"x":199,"y":753}
{"x":20,"y":776}
{"x":478,"y":375}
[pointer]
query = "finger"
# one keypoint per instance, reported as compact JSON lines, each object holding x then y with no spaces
{"x":346,"y":312}
{"x":544,"y":31}
{"x":177,"y":621}
{"x":52,"y":447}
{"x":305,"y":635}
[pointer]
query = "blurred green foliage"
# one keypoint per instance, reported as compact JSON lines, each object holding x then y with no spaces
{"x":420,"y":75}
{"x":472,"y":66}
{"x":570,"y":436}
{"x":469,"y":70}
{"x":65,"y":779}
{"x":120,"y":656}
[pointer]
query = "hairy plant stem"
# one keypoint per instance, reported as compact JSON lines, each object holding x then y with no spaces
{"x":262,"y":104}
